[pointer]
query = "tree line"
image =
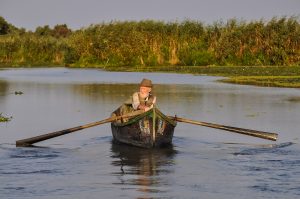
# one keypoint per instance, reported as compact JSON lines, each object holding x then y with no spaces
{"x":154,"y":43}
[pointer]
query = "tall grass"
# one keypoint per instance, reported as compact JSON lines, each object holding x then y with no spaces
{"x":132,"y":44}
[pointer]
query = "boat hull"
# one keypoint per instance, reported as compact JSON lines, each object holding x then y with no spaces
{"x":149,"y":130}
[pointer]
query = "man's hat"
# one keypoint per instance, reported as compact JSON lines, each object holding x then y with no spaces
{"x":146,"y":83}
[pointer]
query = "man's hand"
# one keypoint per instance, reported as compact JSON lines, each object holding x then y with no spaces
{"x":143,"y":107}
{"x":154,"y":100}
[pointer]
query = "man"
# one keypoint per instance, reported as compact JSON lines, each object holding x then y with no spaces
{"x":144,"y":100}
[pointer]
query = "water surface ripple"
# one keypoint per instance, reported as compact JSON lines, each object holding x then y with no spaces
{"x":201,"y":163}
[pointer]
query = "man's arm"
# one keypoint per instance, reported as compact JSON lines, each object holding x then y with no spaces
{"x":135,"y":101}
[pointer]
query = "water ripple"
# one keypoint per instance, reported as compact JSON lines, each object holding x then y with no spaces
{"x":34,"y":153}
{"x":29,"y":172}
{"x":273,"y":148}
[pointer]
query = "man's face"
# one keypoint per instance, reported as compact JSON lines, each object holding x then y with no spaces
{"x":145,"y":90}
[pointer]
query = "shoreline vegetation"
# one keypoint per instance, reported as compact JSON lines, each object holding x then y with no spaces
{"x":267,"y":76}
{"x":264,"y":53}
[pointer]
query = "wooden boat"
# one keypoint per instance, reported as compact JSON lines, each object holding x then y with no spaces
{"x":150,"y":129}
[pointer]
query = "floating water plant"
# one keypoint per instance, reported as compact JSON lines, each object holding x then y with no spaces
{"x":4,"y":119}
{"x":19,"y":93}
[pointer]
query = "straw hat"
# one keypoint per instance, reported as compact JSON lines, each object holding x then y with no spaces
{"x":146,"y":83}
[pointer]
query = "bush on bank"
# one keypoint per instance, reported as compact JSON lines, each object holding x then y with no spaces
{"x":132,"y":44}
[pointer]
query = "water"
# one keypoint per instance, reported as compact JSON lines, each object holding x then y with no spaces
{"x":202,"y":163}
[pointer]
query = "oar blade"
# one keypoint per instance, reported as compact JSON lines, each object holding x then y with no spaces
{"x":250,"y":132}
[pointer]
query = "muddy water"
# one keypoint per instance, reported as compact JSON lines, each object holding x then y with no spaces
{"x":202,"y":163}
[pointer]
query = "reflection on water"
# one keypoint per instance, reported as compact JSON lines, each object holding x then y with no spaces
{"x":3,"y":87}
{"x":200,"y":163}
{"x":122,"y":91}
{"x":50,"y":107}
{"x":118,"y":93}
{"x":146,"y":164}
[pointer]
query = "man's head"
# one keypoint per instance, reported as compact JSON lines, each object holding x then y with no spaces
{"x":145,"y":87}
{"x":146,"y":83}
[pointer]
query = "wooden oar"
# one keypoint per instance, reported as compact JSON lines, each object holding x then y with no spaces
{"x":254,"y":133}
{"x":32,"y":140}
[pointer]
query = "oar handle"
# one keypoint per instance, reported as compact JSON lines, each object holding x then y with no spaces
{"x":250,"y":132}
{"x":32,"y":140}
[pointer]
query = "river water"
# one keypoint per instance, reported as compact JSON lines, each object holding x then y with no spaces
{"x":202,"y":162}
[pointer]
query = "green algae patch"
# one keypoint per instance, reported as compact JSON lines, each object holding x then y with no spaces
{"x":266,"y":81}
{"x":4,"y":119}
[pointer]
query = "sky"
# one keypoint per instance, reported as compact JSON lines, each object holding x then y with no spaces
{"x":77,"y":14}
